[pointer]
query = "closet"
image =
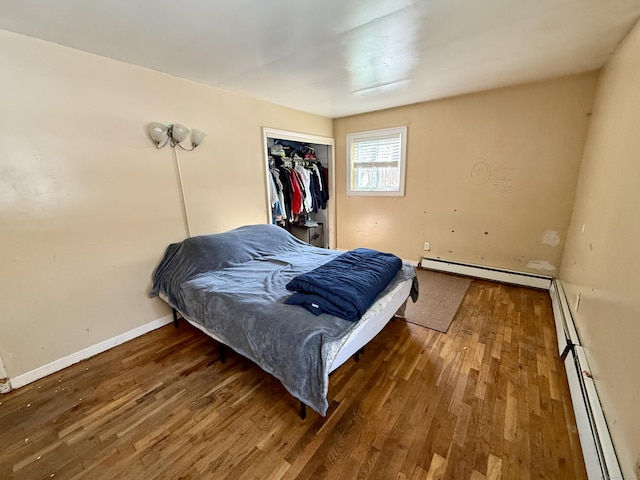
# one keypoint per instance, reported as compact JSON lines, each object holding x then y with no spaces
{"x":299,"y":174}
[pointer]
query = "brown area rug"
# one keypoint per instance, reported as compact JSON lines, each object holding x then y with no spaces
{"x":440,"y":297}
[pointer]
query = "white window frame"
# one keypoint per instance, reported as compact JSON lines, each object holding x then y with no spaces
{"x":372,"y":135}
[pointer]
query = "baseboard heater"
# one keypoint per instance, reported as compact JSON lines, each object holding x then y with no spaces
{"x":489,"y":273}
{"x":597,"y":448}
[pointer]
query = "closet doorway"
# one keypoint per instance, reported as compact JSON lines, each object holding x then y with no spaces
{"x":285,"y":150}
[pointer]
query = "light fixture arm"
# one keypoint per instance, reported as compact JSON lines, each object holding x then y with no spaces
{"x":185,"y":149}
{"x":175,"y":144}
{"x":159,"y":145}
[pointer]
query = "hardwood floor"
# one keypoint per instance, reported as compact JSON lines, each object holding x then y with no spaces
{"x":489,"y":399}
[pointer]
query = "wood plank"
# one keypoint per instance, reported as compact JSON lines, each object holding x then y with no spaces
{"x":487,"y":400}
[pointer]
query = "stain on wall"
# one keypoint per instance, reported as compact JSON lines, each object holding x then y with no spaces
{"x":550,"y":238}
{"x":541,"y":265}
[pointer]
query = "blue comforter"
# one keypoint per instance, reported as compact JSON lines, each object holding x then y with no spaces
{"x":345,"y":286}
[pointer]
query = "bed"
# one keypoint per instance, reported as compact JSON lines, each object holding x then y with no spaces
{"x":233,"y":287}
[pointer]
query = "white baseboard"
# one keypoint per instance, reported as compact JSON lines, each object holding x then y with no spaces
{"x":64,"y":362}
{"x":599,"y":454}
{"x":488,"y":273}
{"x":562,"y":315}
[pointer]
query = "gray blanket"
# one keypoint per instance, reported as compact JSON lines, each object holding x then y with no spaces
{"x":234,"y":284}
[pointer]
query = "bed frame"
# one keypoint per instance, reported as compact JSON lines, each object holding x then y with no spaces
{"x":354,"y":344}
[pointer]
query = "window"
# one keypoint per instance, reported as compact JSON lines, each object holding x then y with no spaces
{"x":376,"y":162}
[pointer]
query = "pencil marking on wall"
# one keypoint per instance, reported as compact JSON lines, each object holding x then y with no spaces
{"x":502,"y":179}
{"x":480,"y":173}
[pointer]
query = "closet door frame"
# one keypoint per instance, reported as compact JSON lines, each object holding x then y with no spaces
{"x":274,"y":133}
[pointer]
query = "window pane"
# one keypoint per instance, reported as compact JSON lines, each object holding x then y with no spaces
{"x":371,"y":178}
{"x":376,"y":161}
{"x":374,"y":151}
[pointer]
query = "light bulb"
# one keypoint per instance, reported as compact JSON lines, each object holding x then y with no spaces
{"x":157,"y":132}
{"x":179,"y":132}
{"x":197,"y":136}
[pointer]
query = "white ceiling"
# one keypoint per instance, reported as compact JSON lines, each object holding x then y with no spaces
{"x":338,"y":57}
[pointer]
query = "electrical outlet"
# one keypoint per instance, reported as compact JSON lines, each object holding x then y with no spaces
{"x":427,"y":246}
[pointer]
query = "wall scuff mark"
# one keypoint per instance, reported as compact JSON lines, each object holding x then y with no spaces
{"x":541,"y":265}
{"x":550,"y":237}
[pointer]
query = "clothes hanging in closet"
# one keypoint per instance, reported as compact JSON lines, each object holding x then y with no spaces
{"x":298,"y":189}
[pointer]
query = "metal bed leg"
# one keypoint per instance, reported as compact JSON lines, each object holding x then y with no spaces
{"x":175,"y":317}
{"x":356,"y":357}
{"x":303,"y":411}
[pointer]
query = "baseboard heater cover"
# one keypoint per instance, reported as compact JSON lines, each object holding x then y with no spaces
{"x":488,"y":273}
{"x":599,"y":454}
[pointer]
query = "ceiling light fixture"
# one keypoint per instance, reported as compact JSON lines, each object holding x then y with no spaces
{"x":173,"y":134}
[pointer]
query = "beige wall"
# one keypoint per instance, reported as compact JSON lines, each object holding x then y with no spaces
{"x":87,"y":204}
{"x":601,"y":261}
{"x":490,"y":177}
